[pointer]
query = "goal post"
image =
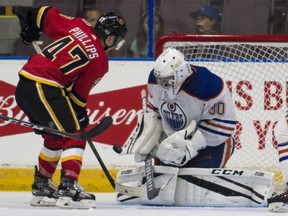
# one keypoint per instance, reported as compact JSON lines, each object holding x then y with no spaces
{"x":255,"y":69}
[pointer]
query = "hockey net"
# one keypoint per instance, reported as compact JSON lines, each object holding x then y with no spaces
{"x":255,"y":69}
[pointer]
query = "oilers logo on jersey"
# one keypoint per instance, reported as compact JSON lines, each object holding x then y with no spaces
{"x":174,"y":115}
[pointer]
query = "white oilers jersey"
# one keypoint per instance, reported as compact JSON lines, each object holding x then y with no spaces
{"x":203,"y":97}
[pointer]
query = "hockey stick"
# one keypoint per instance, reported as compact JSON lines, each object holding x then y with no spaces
{"x":129,"y":190}
{"x":152,"y":191}
{"x":98,"y":129}
{"x":139,"y":191}
{"x":36,"y":46}
{"x":103,"y":166}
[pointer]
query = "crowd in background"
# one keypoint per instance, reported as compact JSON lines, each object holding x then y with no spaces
{"x":183,"y":17}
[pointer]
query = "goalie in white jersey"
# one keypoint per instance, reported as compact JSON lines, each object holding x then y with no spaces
{"x":188,"y":124}
{"x":196,"y":112}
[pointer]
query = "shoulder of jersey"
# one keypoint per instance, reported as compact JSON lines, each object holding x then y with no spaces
{"x":203,"y":84}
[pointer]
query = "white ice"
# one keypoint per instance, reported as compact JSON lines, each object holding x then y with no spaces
{"x":17,"y":204}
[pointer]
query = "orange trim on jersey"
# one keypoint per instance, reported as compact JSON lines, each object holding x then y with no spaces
{"x":193,"y":68}
{"x":282,"y":151}
{"x":228,"y":148}
{"x":220,"y":126}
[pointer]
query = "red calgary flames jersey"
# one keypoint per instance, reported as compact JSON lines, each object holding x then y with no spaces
{"x":76,"y":59}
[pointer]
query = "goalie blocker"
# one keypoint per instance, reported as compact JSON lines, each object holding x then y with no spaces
{"x":213,"y":187}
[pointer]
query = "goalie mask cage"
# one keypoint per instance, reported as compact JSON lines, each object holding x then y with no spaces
{"x":255,"y":70}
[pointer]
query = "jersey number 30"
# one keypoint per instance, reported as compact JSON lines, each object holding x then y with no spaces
{"x":217,"y":109}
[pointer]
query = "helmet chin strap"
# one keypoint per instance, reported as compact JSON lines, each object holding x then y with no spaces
{"x":116,"y":46}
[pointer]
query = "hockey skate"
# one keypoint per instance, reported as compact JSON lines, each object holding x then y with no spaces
{"x":44,"y":191}
{"x":72,"y":195}
{"x":278,"y":202}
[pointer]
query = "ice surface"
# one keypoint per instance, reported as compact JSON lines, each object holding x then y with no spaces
{"x":17,"y":204}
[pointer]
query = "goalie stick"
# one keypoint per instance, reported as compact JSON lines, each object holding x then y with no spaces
{"x":98,"y":129}
{"x":152,"y":191}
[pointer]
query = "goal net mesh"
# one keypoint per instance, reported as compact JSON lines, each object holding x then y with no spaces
{"x":255,"y":70}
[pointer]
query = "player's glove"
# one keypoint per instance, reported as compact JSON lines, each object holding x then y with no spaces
{"x":30,"y":34}
{"x":182,"y":146}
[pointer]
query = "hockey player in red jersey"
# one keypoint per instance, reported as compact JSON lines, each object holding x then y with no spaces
{"x":53,"y":90}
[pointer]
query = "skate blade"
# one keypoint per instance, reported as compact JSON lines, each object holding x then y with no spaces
{"x":43,"y":201}
{"x":278,"y":207}
{"x":67,"y":202}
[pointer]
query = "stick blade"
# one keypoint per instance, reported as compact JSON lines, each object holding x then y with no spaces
{"x":154,"y":193}
{"x":100,"y":128}
{"x":129,"y":190}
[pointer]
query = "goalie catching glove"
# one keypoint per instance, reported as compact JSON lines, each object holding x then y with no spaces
{"x":182,"y":146}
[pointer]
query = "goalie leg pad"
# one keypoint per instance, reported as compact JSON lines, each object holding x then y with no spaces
{"x":166,"y":179}
{"x":223,"y":187}
{"x":132,"y":186}
{"x":129,"y":186}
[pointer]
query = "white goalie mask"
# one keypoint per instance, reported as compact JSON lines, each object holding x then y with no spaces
{"x":171,"y":70}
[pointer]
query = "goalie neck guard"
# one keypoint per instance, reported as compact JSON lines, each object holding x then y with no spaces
{"x":111,"y":24}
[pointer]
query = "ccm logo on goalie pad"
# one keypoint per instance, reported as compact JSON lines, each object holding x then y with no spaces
{"x":126,"y":172}
{"x":233,"y":172}
{"x":227,"y":172}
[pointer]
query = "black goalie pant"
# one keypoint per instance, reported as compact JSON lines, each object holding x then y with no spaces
{"x":46,"y":105}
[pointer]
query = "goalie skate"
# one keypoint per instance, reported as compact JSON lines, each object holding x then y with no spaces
{"x":278,"y":203}
{"x":72,"y":195}
{"x":44,"y":191}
